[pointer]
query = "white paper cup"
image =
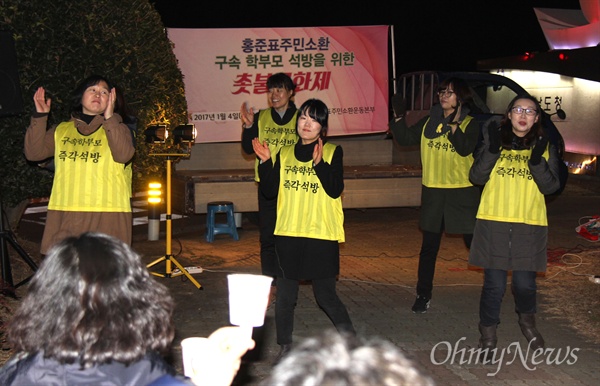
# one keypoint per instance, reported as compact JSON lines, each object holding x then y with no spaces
{"x":248,"y":299}
{"x":194,"y":350}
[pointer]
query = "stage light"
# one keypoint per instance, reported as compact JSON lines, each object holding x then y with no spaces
{"x":184,"y":133}
{"x":156,"y":134}
{"x":154,"y":209}
{"x":154,"y":193}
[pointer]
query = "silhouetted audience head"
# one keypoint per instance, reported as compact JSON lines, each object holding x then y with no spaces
{"x":91,"y":302}
{"x":336,"y":359}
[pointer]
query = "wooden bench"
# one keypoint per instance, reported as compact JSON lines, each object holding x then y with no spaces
{"x":377,"y":174}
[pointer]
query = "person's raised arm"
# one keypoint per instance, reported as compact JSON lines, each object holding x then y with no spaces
{"x":332,"y":175}
{"x":119,"y":135}
{"x":405,"y":135}
{"x":249,"y":127}
{"x":42,"y":105}
{"x":39,"y":143}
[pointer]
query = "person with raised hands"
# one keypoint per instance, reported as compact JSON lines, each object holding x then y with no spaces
{"x":92,"y":154}
{"x":307,"y":180}
{"x":517,"y":167}
{"x":447,"y":138}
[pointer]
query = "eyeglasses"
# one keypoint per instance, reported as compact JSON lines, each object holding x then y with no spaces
{"x":445,"y":93}
{"x":521,"y":110}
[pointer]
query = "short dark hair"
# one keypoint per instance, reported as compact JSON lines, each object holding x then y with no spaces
{"x":281,"y":80}
{"x":92,"y":301}
{"x":342,"y":359}
{"x":317,"y":110}
{"x":460,"y":88}
{"x":77,"y":94}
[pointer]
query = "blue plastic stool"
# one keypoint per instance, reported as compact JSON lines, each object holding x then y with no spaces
{"x":213,"y":228}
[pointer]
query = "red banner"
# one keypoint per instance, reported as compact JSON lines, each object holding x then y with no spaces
{"x":346,"y":67}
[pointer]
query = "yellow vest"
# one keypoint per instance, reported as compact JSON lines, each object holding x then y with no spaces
{"x":276,"y":135}
{"x":511,"y":195}
{"x":442,"y":166}
{"x":86,"y":178}
{"x":303,"y":207}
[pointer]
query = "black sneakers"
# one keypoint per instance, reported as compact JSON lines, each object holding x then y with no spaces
{"x":421,"y":304}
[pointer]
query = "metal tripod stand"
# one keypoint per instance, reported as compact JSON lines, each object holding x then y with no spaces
{"x":8,"y":238}
{"x":168,"y":257}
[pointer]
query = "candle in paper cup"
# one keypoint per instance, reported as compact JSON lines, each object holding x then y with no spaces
{"x":194,"y":351}
{"x":248,"y":299}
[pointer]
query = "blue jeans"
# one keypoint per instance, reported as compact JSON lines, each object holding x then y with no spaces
{"x":524,"y":291}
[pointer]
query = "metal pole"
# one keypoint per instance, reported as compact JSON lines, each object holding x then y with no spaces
{"x":168,"y":216}
{"x":393,"y":60}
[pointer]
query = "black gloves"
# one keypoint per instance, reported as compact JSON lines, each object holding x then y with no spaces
{"x":538,"y":149}
{"x":495,"y":138}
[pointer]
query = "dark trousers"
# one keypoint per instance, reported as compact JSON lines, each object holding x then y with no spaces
{"x":523,"y":287}
{"x":267,"y":216}
{"x":427,"y":258}
{"x":326,"y":297}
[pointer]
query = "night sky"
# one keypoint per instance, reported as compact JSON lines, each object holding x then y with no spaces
{"x":428,"y":35}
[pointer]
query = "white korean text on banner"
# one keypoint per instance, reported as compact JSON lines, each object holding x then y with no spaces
{"x":346,"y":67}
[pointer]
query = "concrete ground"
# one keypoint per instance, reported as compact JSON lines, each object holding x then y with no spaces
{"x":377,"y":280}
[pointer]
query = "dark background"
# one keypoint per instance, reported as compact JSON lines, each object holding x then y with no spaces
{"x":428,"y":35}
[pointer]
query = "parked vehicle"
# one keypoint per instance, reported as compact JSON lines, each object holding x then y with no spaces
{"x":491,"y":94}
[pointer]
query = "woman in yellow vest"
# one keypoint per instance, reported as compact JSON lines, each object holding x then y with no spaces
{"x":92,"y":153}
{"x":518,"y":168}
{"x":277,"y":126}
{"x":308,"y":181}
{"x":447,"y":136}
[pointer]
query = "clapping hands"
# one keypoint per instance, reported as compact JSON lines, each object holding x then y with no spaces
{"x":261,"y":149}
{"x":318,"y":152}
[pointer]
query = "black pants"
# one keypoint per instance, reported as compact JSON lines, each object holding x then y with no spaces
{"x":427,"y":258}
{"x":267,"y":215}
{"x":326,"y":297}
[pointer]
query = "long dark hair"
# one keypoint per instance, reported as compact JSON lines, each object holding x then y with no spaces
{"x":506,"y":129}
{"x":92,"y":301}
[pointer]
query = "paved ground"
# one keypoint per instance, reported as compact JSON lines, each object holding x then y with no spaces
{"x":378,"y":275}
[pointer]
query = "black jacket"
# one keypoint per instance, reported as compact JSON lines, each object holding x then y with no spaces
{"x":27,"y":370}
